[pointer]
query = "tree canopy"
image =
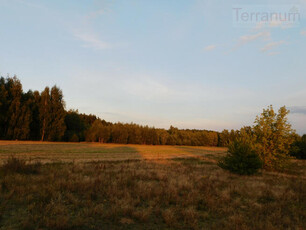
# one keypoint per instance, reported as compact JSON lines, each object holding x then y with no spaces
{"x":274,"y":137}
{"x":42,"y":116}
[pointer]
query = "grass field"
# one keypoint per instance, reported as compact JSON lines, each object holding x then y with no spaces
{"x":86,"y":152}
{"x":108,"y":186}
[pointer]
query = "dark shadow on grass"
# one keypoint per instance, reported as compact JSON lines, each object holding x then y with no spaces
{"x":69,"y":152}
{"x":193,"y":161}
{"x":16,"y":165}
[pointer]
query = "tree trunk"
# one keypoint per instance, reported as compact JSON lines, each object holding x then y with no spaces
{"x":44,"y":122}
{"x":43,"y":131}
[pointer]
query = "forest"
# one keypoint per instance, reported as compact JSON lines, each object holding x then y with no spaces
{"x":35,"y":115}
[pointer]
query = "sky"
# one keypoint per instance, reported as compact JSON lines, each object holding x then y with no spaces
{"x":192,"y":64}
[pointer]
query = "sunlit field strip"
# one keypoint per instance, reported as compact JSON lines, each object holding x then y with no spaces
{"x":84,"y":152}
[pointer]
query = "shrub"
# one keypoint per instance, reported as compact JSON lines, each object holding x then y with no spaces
{"x":16,"y":165}
{"x":298,"y":149}
{"x":241,"y":159}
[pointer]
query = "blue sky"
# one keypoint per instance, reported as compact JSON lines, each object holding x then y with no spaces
{"x":161,"y":63}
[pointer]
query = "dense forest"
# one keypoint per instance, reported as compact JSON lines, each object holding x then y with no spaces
{"x":35,"y":115}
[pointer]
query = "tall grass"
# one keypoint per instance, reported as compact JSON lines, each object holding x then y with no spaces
{"x":141,"y":194}
{"x":21,"y":166}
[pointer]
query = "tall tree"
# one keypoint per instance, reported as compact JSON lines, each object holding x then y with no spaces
{"x":4,"y":105}
{"x":16,"y":119}
{"x":274,"y":137}
{"x":44,"y":112}
{"x":75,"y":126}
{"x":15,"y":110}
{"x":26,"y":117}
{"x":35,"y":123}
{"x":95,"y":133}
{"x":56,"y":127}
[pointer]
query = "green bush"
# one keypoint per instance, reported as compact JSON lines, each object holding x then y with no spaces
{"x":241,"y":159}
{"x":298,"y":149}
{"x":16,"y":165}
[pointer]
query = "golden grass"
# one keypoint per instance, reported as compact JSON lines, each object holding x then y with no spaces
{"x":86,"y":152}
{"x":106,"y":186}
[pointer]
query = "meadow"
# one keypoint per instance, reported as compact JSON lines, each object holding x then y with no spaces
{"x":110,"y":186}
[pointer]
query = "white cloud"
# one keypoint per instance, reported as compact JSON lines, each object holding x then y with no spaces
{"x":85,"y":31}
{"x":210,"y":47}
{"x":273,"y":53}
{"x":147,"y":87}
{"x":91,"y":40}
{"x":259,"y":25}
{"x":275,"y":23}
{"x":94,"y":14}
{"x":271,"y":45}
{"x":245,"y":39}
{"x":29,"y":4}
{"x":101,"y":7}
{"x":252,"y":37}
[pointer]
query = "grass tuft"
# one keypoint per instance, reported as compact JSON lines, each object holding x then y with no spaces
{"x":20,"y":166}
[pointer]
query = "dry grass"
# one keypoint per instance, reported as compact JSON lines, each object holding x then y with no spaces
{"x":145,"y":193}
{"x":86,"y":152}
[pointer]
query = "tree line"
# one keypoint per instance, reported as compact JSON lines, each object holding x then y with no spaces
{"x":35,"y":115}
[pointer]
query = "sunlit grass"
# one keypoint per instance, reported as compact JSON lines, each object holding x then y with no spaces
{"x":68,"y":152}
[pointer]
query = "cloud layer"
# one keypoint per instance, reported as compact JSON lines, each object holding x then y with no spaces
{"x":298,"y":109}
{"x":210,"y":47}
{"x":271,"y":45}
{"x":92,"y":40}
